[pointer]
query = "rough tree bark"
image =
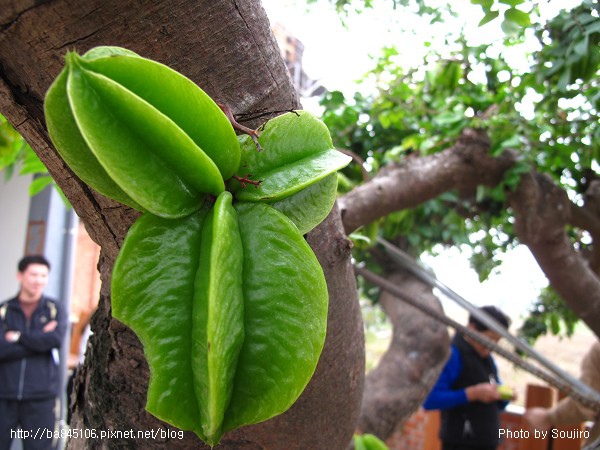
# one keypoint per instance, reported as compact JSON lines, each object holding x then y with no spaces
{"x":226,"y":46}
{"x":542,"y":212}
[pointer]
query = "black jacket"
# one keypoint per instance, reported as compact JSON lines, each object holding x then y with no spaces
{"x":475,"y":423}
{"x":29,"y":368}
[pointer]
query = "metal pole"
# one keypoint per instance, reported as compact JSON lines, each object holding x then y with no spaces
{"x":68,"y":260}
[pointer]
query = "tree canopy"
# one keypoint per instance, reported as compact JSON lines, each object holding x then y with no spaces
{"x":546,"y":112}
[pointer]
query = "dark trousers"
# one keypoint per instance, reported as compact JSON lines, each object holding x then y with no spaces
{"x":30,"y":420}
{"x":451,"y":446}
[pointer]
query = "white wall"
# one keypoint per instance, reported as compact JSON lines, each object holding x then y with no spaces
{"x":14,"y":211}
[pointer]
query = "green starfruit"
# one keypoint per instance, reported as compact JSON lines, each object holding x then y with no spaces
{"x":297,"y":169}
{"x":246,"y":321}
{"x":368,"y":442}
{"x":112,"y":114}
{"x":153,"y":291}
{"x":298,"y":152}
{"x":308,"y":207}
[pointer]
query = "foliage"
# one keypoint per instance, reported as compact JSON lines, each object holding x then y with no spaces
{"x":514,"y":18}
{"x":15,"y":153}
{"x":421,"y":7}
{"x":546,"y":111}
{"x":548,"y":315}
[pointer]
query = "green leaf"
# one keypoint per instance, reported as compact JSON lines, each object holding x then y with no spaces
{"x":518,"y":17}
{"x":297,"y":153}
{"x":39,"y":184}
{"x":554,"y":320}
{"x":581,"y":47}
{"x":512,"y":142}
{"x":511,"y":3}
{"x":593,"y":27}
{"x":486,"y":4}
{"x":565,"y":79}
{"x":489,"y":17}
{"x":32,"y":164}
{"x":448,"y":118}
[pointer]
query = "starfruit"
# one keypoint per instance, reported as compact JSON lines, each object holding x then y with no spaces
{"x":368,"y":442}
{"x":297,"y":168}
{"x":139,"y":132}
{"x":233,"y":326}
{"x":298,"y":152}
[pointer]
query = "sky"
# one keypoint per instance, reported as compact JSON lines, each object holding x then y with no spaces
{"x":338,"y":56}
{"x":512,"y":288}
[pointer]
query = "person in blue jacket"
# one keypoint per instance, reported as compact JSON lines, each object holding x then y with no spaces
{"x":467,"y":391}
{"x":33,"y":328}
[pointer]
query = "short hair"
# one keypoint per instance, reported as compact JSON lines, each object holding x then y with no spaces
{"x":26,"y":261}
{"x":500,"y":317}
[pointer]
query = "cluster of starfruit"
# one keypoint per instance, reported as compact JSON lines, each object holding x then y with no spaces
{"x":215,"y":277}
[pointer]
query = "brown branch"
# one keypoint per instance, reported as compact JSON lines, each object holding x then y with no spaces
{"x":464,"y":166}
{"x":542,"y":211}
{"x":585,"y":219}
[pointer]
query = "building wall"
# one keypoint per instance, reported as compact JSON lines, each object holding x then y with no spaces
{"x":420,"y":432}
{"x":14,"y":204}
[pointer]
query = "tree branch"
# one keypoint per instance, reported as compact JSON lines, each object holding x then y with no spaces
{"x":464,"y":166}
{"x":542,"y":211}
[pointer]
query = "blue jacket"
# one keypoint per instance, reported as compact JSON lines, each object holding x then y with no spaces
{"x":29,"y":368}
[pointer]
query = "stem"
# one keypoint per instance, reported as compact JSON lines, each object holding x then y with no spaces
{"x":254,"y":134}
{"x":244,"y":181}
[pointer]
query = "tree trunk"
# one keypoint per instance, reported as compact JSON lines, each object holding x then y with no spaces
{"x":411,"y":365}
{"x":226,"y":46}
